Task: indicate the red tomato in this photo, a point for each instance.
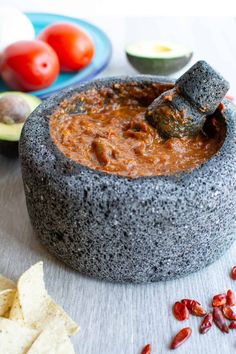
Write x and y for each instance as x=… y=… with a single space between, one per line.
x=75 y=49
x=29 y=65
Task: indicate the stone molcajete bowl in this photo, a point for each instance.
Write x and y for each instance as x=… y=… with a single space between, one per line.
x=128 y=230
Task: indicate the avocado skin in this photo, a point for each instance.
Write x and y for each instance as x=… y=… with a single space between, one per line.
x=158 y=66
x=9 y=148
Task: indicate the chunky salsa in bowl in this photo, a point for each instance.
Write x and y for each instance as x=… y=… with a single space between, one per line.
x=105 y=129
x=82 y=152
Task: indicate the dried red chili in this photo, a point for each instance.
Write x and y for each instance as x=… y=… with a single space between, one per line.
x=229 y=313
x=233 y=273
x=190 y=303
x=231 y=98
x=219 y=300
x=232 y=325
x=230 y=298
x=147 y=349
x=220 y=320
x=206 y=323
x=180 y=311
x=221 y=106
x=198 y=310
x=181 y=337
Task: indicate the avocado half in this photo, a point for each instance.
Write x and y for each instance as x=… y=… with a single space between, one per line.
x=157 y=58
x=10 y=130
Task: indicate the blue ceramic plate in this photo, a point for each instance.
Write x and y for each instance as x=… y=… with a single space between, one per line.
x=100 y=61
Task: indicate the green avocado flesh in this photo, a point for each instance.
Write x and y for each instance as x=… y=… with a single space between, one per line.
x=11 y=132
x=157 y=58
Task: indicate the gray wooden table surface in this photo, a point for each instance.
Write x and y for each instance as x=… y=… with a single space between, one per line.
x=114 y=318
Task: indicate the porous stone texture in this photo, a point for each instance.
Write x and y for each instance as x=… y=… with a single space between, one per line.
x=203 y=86
x=198 y=92
x=115 y=228
x=184 y=118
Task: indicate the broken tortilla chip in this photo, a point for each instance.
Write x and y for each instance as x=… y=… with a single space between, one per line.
x=49 y=311
x=6 y=300
x=6 y=283
x=37 y=307
x=14 y=338
x=32 y=322
x=53 y=339
x=16 y=312
x=31 y=289
x=6 y=315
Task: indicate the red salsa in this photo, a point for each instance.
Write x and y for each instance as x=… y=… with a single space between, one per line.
x=105 y=129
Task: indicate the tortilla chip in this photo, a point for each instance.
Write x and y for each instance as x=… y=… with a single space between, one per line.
x=31 y=290
x=52 y=340
x=16 y=311
x=49 y=311
x=6 y=315
x=6 y=283
x=14 y=338
x=6 y=300
x=38 y=308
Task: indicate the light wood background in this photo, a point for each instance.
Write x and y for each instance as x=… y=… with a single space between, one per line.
x=114 y=318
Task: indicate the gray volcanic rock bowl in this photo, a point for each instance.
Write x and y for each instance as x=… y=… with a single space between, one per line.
x=128 y=230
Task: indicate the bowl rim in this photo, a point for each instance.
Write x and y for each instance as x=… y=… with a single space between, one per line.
x=36 y=133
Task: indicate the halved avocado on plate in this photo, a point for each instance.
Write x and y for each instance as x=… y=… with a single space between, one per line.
x=15 y=107
x=158 y=58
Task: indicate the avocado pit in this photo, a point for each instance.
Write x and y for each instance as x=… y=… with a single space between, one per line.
x=13 y=109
